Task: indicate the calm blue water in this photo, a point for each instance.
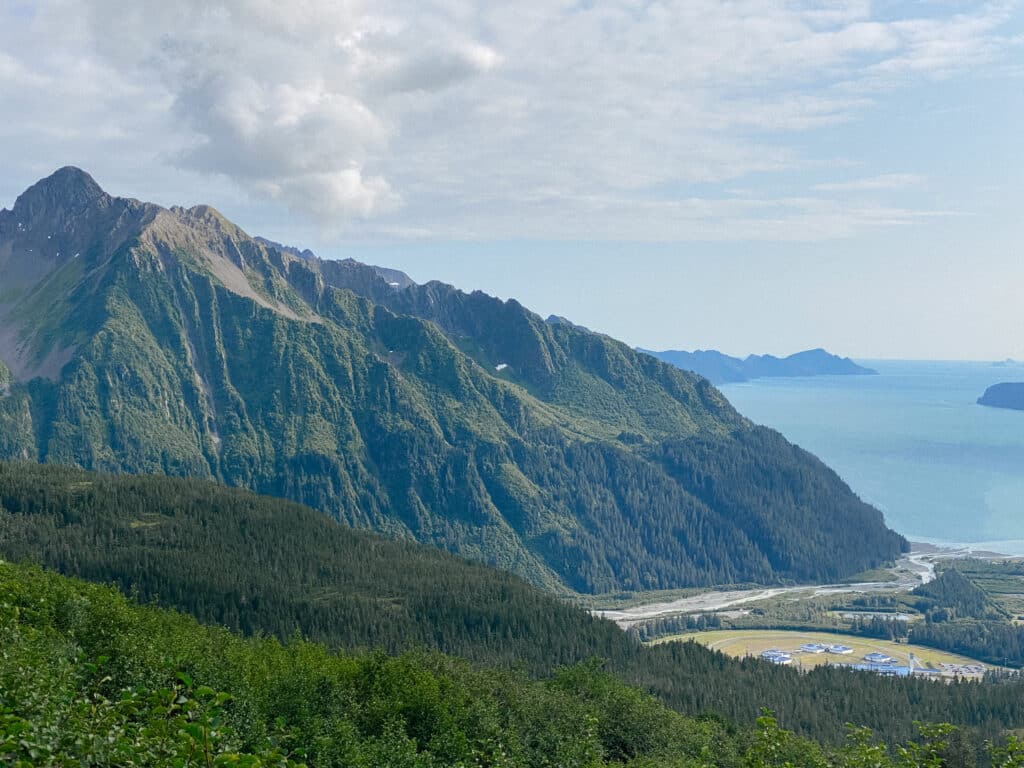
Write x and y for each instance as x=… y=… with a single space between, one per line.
x=912 y=442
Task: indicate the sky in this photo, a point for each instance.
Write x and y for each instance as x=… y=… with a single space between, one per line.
x=746 y=175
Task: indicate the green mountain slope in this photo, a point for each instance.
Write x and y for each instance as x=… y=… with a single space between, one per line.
x=143 y=339
x=266 y=566
x=263 y=565
x=88 y=678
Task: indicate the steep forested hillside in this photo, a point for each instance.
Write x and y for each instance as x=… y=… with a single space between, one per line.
x=267 y=566
x=88 y=679
x=143 y=339
x=259 y=564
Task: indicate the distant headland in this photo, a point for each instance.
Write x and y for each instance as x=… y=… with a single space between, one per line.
x=720 y=368
x=1005 y=395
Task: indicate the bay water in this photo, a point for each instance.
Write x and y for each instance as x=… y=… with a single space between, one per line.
x=913 y=442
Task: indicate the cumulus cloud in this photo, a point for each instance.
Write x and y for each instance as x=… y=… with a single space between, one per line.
x=324 y=195
x=289 y=100
x=460 y=117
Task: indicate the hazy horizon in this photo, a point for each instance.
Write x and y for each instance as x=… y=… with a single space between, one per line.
x=713 y=303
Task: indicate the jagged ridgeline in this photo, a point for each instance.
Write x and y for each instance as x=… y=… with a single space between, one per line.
x=141 y=339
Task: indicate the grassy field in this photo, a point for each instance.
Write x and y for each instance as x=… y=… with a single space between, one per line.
x=744 y=642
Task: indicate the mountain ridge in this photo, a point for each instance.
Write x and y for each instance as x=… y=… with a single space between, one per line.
x=177 y=344
x=720 y=368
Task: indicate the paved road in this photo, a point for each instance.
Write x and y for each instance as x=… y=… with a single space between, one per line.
x=913 y=570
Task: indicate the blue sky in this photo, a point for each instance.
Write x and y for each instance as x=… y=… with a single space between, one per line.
x=755 y=176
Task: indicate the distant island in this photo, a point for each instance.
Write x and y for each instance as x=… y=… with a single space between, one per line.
x=720 y=368
x=1005 y=395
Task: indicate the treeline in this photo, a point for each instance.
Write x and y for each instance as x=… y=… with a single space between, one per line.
x=995 y=642
x=883 y=629
x=675 y=625
x=88 y=678
x=952 y=595
x=264 y=566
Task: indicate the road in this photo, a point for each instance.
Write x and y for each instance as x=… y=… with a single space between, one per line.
x=913 y=570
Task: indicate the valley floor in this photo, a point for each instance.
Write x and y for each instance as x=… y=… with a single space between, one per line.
x=917 y=568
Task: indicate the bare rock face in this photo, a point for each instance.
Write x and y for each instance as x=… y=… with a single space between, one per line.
x=62 y=218
x=66 y=194
x=58 y=230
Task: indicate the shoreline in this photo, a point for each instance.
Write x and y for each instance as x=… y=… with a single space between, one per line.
x=1000 y=549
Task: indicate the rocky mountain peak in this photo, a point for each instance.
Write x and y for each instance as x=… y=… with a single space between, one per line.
x=69 y=190
x=63 y=220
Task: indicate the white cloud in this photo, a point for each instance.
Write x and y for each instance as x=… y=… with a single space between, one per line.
x=455 y=116
x=325 y=194
x=288 y=100
x=872 y=183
